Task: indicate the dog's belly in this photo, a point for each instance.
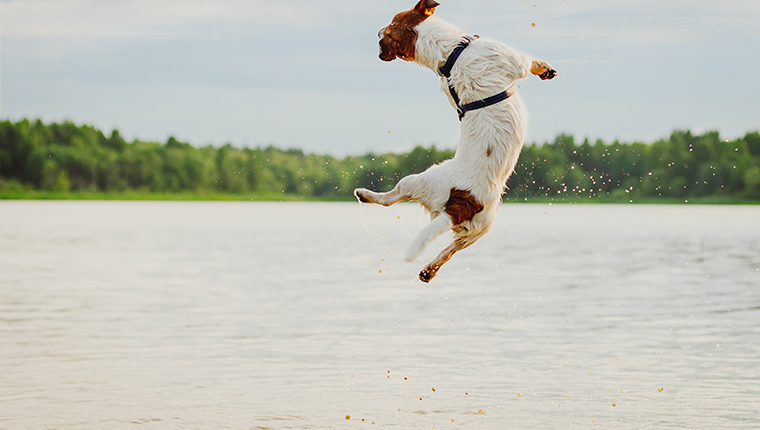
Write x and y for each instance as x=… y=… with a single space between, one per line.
x=493 y=138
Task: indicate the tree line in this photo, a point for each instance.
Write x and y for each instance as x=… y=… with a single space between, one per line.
x=68 y=157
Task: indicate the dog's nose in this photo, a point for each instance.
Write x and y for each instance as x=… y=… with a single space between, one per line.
x=380 y=33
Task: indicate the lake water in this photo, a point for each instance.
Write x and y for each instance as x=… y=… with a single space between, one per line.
x=215 y=315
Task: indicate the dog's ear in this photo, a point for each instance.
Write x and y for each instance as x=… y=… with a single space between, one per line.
x=426 y=6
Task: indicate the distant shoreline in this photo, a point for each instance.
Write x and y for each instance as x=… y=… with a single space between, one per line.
x=284 y=197
x=79 y=162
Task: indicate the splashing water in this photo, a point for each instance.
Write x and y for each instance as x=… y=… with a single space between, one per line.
x=364 y=219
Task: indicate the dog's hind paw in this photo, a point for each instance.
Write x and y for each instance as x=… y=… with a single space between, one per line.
x=426 y=275
x=359 y=194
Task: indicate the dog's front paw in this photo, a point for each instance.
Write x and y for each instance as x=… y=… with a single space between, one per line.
x=549 y=74
x=360 y=193
x=543 y=70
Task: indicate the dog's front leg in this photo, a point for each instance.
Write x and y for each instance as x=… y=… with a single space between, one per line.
x=542 y=69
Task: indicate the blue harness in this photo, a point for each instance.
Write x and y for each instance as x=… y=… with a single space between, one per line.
x=445 y=70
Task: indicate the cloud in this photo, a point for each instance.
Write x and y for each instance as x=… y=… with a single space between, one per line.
x=245 y=69
x=140 y=18
x=150 y=18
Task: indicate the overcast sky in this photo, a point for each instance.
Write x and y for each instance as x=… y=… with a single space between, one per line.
x=306 y=73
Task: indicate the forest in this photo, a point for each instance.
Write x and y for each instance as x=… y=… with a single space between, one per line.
x=38 y=160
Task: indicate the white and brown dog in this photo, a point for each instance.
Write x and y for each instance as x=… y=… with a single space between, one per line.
x=462 y=194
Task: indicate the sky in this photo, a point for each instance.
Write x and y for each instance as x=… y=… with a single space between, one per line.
x=306 y=74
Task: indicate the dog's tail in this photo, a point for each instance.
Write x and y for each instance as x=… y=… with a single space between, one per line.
x=438 y=226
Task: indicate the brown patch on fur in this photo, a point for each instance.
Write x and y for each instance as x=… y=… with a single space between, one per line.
x=489 y=150
x=398 y=39
x=462 y=206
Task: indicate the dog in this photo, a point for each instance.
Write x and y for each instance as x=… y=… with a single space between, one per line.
x=461 y=194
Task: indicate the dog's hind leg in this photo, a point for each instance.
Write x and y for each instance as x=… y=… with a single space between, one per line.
x=431 y=269
x=438 y=226
x=402 y=191
x=386 y=199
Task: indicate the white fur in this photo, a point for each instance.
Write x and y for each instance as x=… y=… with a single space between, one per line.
x=484 y=68
x=438 y=226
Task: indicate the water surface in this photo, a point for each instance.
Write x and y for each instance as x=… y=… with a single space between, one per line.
x=295 y=316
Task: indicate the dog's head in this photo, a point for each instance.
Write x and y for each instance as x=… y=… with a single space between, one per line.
x=398 y=38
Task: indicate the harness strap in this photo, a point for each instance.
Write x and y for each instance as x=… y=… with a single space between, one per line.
x=445 y=71
x=446 y=68
x=488 y=101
